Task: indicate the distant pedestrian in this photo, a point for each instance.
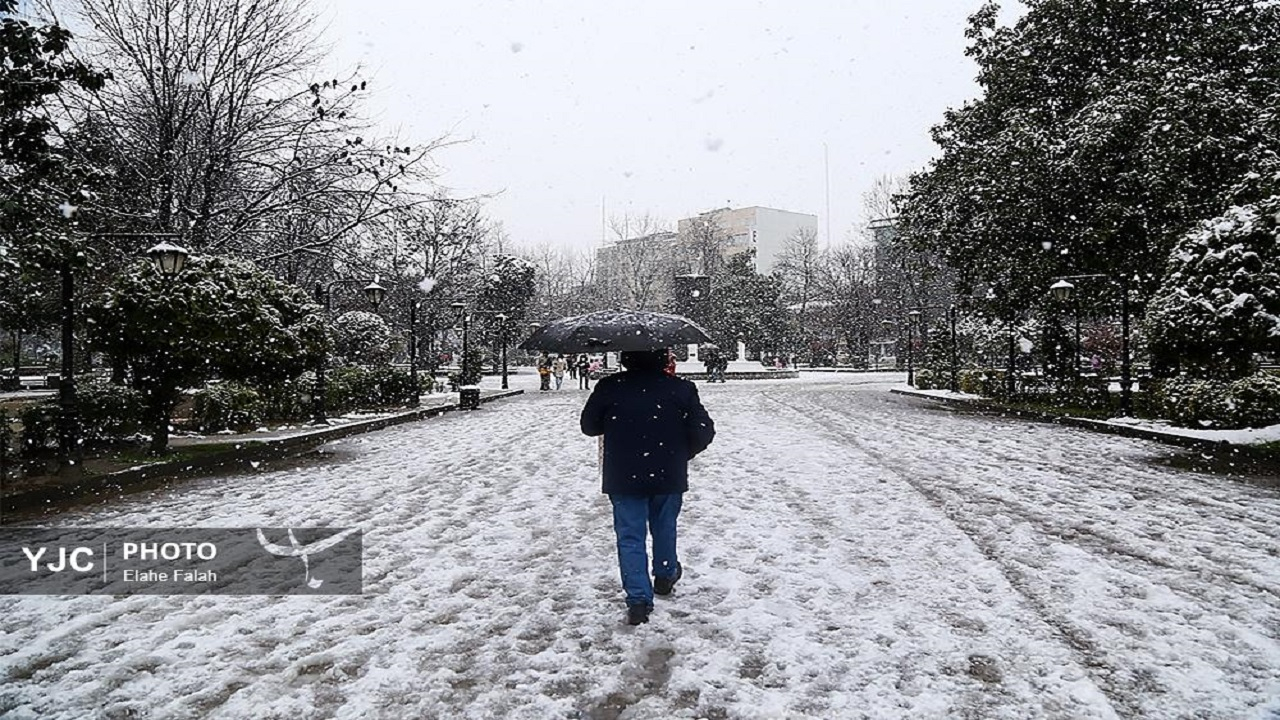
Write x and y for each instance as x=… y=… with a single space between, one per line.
x=710 y=359
x=652 y=426
x=573 y=368
x=558 y=366
x=544 y=372
x=670 y=369
x=584 y=377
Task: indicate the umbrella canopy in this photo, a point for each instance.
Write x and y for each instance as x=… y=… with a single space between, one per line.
x=615 y=331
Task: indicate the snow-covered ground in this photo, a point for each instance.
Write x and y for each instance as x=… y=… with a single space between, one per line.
x=849 y=553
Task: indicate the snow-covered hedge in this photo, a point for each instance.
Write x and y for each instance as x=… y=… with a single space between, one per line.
x=1252 y=401
x=228 y=406
x=358 y=388
x=107 y=412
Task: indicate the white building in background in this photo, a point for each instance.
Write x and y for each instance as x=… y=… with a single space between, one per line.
x=765 y=230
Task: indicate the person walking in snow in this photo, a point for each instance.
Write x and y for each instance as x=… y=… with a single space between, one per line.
x=711 y=359
x=557 y=370
x=584 y=366
x=544 y=372
x=652 y=425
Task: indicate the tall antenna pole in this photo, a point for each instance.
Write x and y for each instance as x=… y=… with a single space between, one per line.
x=826 y=163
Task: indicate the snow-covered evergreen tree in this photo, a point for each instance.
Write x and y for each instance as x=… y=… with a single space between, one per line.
x=362 y=338
x=1219 y=303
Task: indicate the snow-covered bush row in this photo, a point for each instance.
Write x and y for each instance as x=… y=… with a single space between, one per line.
x=107 y=412
x=1252 y=401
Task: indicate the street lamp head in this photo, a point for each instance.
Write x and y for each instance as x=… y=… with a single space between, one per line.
x=458 y=310
x=915 y=317
x=1062 y=290
x=886 y=324
x=374 y=293
x=501 y=317
x=169 y=258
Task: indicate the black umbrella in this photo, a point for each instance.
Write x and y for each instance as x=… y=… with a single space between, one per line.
x=615 y=331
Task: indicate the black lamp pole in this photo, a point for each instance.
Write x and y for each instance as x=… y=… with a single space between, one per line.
x=502 y=337
x=69 y=449
x=1079 y=345
x=911 y=367
x=1126 y=368
x=1063 y=289
x=169 y=260
x=317 y=393
x=414 y=398
x=955 y=385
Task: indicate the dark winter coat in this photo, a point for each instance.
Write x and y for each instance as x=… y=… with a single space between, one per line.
x=652 y=425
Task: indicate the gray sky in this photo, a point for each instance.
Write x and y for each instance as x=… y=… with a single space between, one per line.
x=661 y=106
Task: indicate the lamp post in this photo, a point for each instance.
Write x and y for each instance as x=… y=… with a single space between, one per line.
x=913 y=317
x=414 y=394
x=1063 y=289
x=169 y=259
x=887 y=326
x=952 y=315
x=374 y=294
x=468 y=397
x=502 y=338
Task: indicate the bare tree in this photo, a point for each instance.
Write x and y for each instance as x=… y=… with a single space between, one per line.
x=219 y=125
x=798 y=267
x=702 y=245
x=636 y=268
x=879 y=202
x=847 y=278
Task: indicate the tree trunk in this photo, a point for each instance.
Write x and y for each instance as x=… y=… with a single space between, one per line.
x=160 y=411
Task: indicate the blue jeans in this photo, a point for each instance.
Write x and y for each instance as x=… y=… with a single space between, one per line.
x=631 y=515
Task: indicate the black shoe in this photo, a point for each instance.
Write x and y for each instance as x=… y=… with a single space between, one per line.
x=664 y=585
x=637 y=614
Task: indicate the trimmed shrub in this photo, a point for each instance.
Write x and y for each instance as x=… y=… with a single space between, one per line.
x=970 y=381
x=228 y=406
x=354 y=388
x=392 y=386
x=1255 y=400
x=345 y=389
x=288 y=400
x=39 y=427
x=925 y=380
x=991 y=383
x=109 y=411
x=1194 y=402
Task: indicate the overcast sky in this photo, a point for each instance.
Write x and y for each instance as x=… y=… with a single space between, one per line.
x=661 y=106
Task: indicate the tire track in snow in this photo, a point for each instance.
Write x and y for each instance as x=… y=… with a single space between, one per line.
x=1187 y=583
x=1088 y=655
x=1089 y=533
